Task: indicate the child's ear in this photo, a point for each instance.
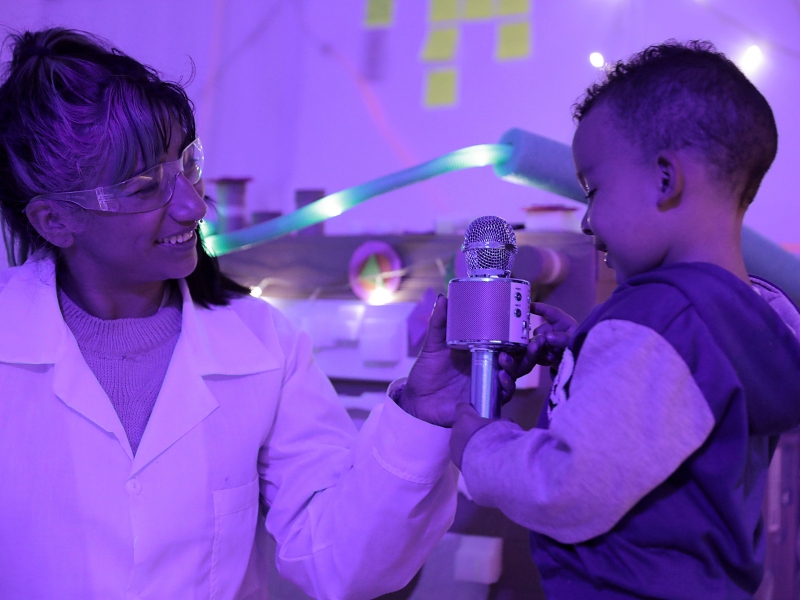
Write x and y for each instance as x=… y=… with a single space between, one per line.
x=670 y=181
x=53 y=222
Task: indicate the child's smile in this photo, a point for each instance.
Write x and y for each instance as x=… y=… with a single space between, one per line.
x=618 y=185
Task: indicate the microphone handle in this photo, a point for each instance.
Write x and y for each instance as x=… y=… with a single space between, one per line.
x=485 y=390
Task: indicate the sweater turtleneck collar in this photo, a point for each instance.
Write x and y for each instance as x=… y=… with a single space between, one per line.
x=123 y=337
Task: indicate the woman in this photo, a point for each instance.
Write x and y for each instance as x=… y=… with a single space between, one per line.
x=148 y=406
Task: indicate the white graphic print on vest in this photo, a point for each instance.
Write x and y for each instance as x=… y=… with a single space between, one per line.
x=560 y=391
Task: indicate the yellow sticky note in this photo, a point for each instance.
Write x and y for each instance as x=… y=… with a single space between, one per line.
x=478 y=9
x=443 y=10
x=379 y=13
x=513 y=41
x=440 y=88
x=441 y=45
x=514 y=7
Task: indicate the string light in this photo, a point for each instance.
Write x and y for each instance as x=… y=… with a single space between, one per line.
x=333 y=207
x=597 y=59
x=256 y=292
x=751 y=60
x=380 y=295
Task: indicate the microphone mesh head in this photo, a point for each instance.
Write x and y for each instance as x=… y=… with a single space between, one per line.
x=489 y=247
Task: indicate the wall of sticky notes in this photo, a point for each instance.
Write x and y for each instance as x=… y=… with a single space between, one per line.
x=510 y=20
x=513 y=41
x=441 y=45
x=379 y=13
x=440 y=87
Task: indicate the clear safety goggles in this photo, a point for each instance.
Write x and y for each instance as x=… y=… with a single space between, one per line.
x=146 y=191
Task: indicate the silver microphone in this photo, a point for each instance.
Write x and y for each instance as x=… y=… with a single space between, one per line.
x=488 y=311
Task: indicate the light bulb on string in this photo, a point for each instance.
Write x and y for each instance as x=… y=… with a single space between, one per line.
x=380 y=295
x=751 y=60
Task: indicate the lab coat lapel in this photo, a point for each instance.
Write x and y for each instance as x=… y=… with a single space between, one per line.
x=37 y=332
x=183 y=402
x=38 y=335
x=77 y=387
x=212 y=342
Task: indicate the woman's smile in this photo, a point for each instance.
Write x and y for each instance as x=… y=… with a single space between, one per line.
x=180 y=239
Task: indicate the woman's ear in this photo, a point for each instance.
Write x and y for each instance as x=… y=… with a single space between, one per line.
x=53 y=222
x=670 y=182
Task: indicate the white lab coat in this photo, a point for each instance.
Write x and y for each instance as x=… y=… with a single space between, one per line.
x=243 y=414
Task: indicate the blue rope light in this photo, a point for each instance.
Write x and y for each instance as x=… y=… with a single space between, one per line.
x=335 y=204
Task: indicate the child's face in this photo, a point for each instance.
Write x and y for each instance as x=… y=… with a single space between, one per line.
x=621 y=191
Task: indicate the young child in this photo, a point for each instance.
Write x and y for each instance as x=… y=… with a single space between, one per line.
x=647 y=476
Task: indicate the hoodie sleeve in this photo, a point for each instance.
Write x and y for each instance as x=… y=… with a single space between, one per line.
x=633 y=414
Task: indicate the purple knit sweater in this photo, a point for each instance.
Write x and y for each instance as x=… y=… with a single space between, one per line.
x=129 y=357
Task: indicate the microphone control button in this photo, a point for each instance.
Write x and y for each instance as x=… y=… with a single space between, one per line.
x=518 y=296
x=517 y=312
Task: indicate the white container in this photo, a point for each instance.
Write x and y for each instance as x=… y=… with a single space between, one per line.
x=231 y=203
x=479 y=559
x=552 y=217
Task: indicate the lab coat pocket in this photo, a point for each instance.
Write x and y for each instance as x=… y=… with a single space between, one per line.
x=235 y=518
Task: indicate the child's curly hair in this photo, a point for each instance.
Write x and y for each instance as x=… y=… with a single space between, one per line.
x=688 y=95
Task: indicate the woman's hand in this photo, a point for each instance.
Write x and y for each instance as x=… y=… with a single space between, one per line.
x=439 y=381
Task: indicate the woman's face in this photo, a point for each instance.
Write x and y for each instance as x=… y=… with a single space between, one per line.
x=116 y=250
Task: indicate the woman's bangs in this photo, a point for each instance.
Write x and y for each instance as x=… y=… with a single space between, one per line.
x=140 y=129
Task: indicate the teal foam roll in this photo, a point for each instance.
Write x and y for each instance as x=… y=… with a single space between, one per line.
x=540 y=162
x=766 y=259
x=547 y=164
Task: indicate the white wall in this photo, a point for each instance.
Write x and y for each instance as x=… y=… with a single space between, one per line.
x=277 y=90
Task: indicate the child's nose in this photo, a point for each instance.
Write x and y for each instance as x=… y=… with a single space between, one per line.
x=187 y=204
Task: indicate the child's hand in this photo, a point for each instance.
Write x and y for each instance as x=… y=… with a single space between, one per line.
x=551 y=337
x=547 y=343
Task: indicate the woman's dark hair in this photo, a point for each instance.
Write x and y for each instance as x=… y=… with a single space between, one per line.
x=71 y=106
x=207 y=284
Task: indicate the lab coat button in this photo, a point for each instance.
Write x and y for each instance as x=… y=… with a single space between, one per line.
x=134 y=487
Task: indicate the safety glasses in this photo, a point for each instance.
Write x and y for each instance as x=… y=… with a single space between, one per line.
x=146 y=191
